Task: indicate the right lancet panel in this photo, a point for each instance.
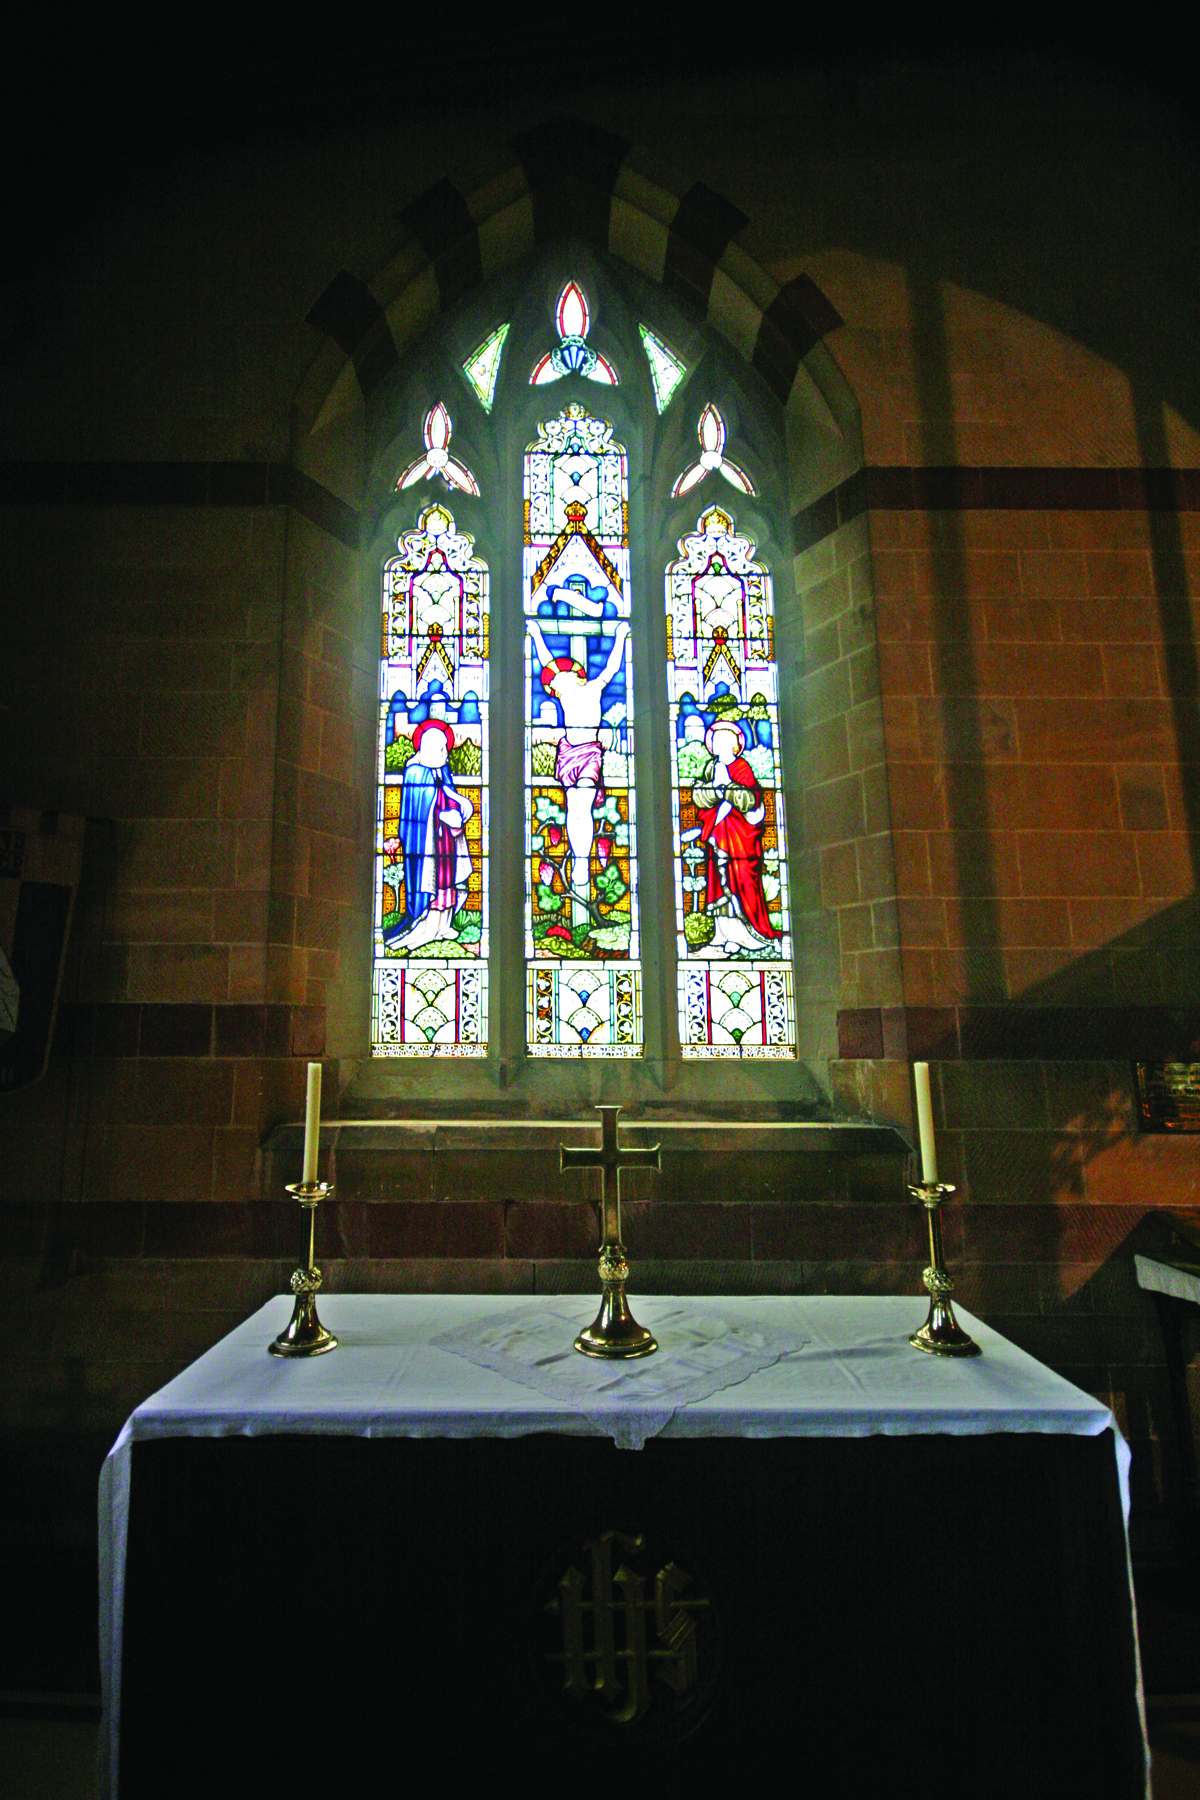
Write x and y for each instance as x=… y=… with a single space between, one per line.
x=731 y=906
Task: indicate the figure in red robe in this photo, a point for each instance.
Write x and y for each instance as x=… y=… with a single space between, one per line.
x=732 y=811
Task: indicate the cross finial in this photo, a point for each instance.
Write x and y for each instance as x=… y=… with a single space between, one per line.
x=610 y=1159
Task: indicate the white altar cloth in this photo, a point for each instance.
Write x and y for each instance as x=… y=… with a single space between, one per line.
x=855 y=1376
x=1167 y=1278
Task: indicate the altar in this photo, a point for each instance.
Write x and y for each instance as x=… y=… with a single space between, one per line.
x=853 y=1566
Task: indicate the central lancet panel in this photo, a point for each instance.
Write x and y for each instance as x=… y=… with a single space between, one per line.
x=582 y=948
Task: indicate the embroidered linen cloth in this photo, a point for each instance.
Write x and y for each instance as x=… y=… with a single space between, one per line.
x=700 y=1351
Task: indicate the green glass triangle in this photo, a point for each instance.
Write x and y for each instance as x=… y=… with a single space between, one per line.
x=666 y=370
x=483 y=365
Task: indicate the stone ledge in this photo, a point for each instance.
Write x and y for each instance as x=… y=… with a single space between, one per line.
x=801 y=1137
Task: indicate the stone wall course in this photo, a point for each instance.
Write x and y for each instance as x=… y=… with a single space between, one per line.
x=438 y=1228
x=1075 y=862
x=161 y=915
x=177 y=972
x=1023 y=621
x=154 y=853
x=955 y=729
x=1166 y=864
x=162 y=1162
x=185 y=724
x=1022 y=669
x=877 y=867
x=567 y=1230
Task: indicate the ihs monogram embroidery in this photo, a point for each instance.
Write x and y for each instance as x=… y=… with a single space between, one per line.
x=633 y=1648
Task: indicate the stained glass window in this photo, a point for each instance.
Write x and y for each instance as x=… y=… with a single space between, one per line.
x=431 y=838
x=573 y=355
x=436 y=459
x=666 y=370
x=582 y=952
x=731 y=907
x=482 y=367
x=583 y=973
x=711 y=432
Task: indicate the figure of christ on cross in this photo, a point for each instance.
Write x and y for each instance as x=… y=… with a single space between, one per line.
x=580 y=753
x=614 y=1332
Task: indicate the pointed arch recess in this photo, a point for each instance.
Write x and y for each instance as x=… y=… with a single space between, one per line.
x=567 y=178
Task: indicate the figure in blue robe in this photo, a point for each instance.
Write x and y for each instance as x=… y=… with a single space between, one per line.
x=432 y=839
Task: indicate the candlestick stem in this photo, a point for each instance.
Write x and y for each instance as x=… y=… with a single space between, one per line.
x=305 y=1335
x=941 y=1334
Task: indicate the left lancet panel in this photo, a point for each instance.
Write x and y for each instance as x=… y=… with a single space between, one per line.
x=582 y=948
x=430 y=988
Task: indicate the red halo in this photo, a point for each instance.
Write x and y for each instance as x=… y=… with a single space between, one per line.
x=433 y=725
x=559 y=666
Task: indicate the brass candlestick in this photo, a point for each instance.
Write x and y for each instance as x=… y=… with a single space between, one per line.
x=305 y=1334
x=941 y=1334
x=614 y=1332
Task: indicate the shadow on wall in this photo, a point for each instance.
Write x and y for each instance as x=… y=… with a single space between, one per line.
x=1038 y=1122
x=1039 y=1131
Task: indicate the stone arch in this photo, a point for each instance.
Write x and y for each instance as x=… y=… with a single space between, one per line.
x=565 y=177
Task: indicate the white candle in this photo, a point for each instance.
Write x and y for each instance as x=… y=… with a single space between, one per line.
x=312 y=1122
x=925 y=1121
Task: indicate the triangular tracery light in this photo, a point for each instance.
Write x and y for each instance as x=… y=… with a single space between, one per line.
x=666 y=369
x=437 y=459
x=574 y=355
x=711 y=432
x=483 y=366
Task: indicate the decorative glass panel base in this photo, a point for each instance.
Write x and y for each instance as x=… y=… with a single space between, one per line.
x=584 y=1009
x=738 y=1012
x=430 y=1011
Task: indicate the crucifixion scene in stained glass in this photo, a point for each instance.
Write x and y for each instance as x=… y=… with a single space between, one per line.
x=731 y=899
x=583 y=971
x=429 y=993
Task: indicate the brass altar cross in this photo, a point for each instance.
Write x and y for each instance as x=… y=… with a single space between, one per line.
x=614 y=1331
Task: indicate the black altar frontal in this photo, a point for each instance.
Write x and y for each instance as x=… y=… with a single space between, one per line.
x=858 y=1571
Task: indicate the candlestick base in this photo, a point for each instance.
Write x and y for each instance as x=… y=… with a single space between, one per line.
x=614 y=1332
x=304 y=1334
x=941 y=1334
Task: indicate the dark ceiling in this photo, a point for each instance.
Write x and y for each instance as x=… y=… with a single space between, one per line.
x=86 y=102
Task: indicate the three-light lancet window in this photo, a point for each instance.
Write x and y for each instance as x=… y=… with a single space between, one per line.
x=597 y=440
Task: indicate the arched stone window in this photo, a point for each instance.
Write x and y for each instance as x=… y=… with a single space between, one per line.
x=466 y=310
x=595 y=772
